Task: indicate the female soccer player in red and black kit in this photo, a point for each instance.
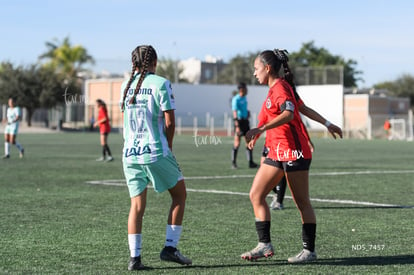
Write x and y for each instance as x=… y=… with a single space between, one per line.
x=289 y=155
x=104 y=130
x=280 y=189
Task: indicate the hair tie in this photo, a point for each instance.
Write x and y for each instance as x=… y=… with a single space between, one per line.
x=282 y=55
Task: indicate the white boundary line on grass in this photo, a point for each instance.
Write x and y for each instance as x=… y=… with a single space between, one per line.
x=367 y=172
x=289 y=197
x=122 y=183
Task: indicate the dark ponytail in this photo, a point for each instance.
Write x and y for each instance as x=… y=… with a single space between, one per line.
x=276 y=59
x=282 y=55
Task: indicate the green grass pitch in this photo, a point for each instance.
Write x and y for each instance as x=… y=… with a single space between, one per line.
x=53 y=220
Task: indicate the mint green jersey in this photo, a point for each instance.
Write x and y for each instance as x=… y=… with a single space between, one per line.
x=12 y=114
x=144 y=134
x=12 y=122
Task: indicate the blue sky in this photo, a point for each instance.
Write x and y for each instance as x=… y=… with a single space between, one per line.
x=377 y=34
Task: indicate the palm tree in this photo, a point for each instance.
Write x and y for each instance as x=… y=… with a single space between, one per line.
x=65 y=58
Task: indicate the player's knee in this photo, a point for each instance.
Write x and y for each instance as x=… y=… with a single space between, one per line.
x=137 y=208
x=182 y=196
x=179 y=194
x=254 y=197
x=303 y=204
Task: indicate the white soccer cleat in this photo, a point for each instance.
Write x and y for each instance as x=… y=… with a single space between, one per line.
x=260 y=251
x=304 y=256
x=275 y=205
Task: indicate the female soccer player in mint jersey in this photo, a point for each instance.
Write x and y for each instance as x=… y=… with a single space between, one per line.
x=11 y=130
x=148 y=107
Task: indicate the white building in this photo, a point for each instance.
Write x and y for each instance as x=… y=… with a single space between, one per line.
x=198 y=72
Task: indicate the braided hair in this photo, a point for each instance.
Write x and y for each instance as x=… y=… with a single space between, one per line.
x=142 y=57
x=276 y=59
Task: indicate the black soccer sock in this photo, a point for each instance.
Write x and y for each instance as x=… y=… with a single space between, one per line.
x=234 y=155
x=308 y=236
x=263 y=231
x=249 y=155
x=108 y=150
x=103 y=151
x=281 y=190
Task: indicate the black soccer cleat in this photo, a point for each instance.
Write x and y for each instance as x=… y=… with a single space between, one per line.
x=172 y=254
x=135 y=263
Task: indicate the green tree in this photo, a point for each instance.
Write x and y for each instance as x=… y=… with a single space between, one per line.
x=239 y=69
x=21 y=84
x=403 y=86
x=65 y=61
x=311 y=56
x=33 y=87
x=65 y=58
x=169 y=69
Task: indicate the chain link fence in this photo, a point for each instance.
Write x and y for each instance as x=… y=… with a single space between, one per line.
x=326 y=75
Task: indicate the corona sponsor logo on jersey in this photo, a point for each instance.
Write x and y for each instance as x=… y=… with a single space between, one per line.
x=142 y=91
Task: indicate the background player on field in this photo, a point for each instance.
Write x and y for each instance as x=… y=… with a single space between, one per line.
x=241 y=117
x=104 y=130
x=11 y=130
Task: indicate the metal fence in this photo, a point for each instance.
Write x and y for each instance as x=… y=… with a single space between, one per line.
x=326 y=75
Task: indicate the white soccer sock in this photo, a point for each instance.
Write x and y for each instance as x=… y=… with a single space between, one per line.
x=173 y=234
x=135 y=242
x=19 y=146
x=7 y=148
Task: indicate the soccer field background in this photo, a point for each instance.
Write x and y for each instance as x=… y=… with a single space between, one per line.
x=61 y=212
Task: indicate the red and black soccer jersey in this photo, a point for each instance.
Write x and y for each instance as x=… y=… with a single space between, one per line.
x=104 y=128
x=287 y=142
